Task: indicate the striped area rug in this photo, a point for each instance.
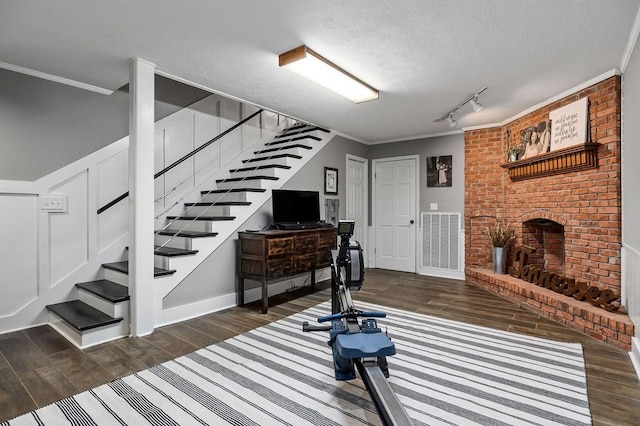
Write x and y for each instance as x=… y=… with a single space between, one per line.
x=445 y=373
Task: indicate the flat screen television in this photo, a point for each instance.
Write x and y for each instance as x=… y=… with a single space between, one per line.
x=291 y=206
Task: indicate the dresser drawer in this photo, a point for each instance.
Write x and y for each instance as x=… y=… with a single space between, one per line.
x=306 y=244
x=305 y=262
x=279 y=246
x=327 y=240
x=280 y=267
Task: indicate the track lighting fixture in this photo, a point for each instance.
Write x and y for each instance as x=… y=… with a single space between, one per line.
x=473 y=100
x=477 y=106
x=451 y=121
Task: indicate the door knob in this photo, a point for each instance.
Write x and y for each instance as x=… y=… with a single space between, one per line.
x=411 y=221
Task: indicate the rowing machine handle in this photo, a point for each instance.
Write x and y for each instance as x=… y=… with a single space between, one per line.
x=340 y=315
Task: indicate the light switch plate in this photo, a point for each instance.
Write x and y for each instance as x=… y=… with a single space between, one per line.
x=53 y=203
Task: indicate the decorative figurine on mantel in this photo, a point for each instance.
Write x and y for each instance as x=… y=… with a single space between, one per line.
x=512 y=153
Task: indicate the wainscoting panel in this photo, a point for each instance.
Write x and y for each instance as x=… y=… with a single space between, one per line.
x=441 y=245
x=19 y=253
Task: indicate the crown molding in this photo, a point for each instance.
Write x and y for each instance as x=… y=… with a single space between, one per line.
x=55 y=78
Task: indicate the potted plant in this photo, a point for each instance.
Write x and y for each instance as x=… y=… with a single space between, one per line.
x=501 y=237
x=512 y=152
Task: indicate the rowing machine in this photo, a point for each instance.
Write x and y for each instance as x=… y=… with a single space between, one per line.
x=354 y=336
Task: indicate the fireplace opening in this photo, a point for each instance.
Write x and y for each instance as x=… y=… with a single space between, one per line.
x=547 y=238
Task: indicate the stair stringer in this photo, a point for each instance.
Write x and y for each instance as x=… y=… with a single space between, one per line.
x=185 y=265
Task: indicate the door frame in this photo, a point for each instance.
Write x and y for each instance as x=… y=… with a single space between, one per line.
x=365 y=225
x=416 y=158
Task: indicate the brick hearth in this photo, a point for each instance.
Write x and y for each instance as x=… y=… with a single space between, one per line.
x=614 y=328
x=581 y=205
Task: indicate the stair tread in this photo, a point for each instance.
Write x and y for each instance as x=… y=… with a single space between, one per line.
x=186 y=234
x=219 y=203
x=282 y=148
x=300 y=131
x=293 y=139
x=271 y=157
x=124 y=268
x=81 y=316
x=106 y=289
x=223 y=191
x=212 y=218
x=172 y=251
x=240 y=179
x=266 y=166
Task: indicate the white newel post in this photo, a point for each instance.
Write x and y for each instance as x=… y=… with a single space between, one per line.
x=141 y=192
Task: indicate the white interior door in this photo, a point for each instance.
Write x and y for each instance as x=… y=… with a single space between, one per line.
x=357 y=201
x=395 y=213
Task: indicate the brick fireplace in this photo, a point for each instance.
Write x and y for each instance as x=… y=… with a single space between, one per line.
x=572 y=218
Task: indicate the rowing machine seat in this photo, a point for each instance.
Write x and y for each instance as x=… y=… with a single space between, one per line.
x=364 y=345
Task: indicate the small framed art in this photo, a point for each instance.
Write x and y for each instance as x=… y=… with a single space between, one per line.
x=330 y=181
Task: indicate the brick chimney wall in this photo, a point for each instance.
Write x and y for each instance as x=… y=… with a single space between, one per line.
x=587 y=203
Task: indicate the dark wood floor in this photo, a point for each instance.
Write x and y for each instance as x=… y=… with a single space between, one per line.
x=38 y=367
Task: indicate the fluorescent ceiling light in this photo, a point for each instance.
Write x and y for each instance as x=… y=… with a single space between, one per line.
x=308 y=64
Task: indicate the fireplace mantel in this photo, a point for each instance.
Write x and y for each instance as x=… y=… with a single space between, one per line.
x=578 y=157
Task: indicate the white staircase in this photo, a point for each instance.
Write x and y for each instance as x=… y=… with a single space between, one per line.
x=187 y=235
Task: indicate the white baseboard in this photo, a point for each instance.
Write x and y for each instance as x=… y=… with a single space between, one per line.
x=635 y=354
x=196 y=309
x=442 y=273
x=215 y=304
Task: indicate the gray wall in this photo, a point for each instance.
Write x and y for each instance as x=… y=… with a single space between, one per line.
x=630 y=199
x=46 y=125
x=449 y=199
x=631 y=152
x=217 y=275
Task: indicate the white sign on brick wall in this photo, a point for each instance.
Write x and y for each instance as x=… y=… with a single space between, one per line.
x=569 y=125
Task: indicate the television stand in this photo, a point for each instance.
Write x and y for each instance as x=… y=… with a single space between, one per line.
x=273 y=255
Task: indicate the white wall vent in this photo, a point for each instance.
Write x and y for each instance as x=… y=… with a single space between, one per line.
x=441 y=245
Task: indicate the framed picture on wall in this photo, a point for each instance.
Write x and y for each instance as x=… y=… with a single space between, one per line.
x=330 y=181
x=439 y=171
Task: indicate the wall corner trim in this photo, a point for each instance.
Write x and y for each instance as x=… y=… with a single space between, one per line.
x=631 y=42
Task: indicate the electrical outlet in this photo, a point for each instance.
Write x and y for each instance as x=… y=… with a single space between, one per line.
x=433 y=206
x=53 y=203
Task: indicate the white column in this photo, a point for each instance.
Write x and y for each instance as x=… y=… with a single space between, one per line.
x=141 y=191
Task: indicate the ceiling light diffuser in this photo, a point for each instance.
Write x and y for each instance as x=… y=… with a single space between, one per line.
x=308 y=64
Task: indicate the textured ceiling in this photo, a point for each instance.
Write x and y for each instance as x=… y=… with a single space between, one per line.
x=425 y=56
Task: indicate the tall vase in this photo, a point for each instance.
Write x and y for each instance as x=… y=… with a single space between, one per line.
x=499 y=260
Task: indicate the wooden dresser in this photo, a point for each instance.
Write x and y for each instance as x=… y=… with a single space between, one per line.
x=273 y=255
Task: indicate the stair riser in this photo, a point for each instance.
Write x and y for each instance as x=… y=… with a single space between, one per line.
x=163 y=262
x=115 y=310
x=116 y=277
x=254 y=184
x=88 y=338
x=275 y=172
x=284 y=161
x=176 y=242
x=210 y=210
x=228 y=196
x=232 y=196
